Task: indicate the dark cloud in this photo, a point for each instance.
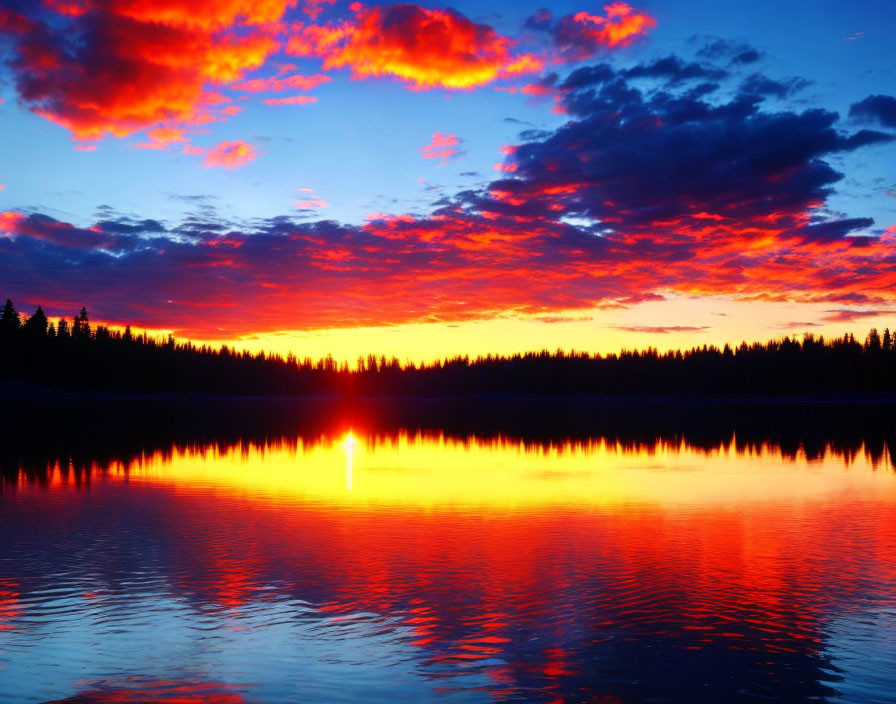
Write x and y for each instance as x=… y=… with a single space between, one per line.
x=588 y=76
x=674 y=70
x=735 y=52
x=757 y=84
x=631 y=160
x=540 y=20
x=125 y=226
x=879 y=108
x=747 y=56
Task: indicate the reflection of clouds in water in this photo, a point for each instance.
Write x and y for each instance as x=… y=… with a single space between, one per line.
x=139 y=690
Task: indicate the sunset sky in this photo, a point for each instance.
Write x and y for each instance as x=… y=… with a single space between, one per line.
x=426 y=180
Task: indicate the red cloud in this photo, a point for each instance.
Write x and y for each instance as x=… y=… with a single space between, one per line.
x=117 y=66
x=230 y=155
x=442 y=146
x=293 y=100
x=580 y=35
x=272 y=85
x=453 y=266
x=424 y=48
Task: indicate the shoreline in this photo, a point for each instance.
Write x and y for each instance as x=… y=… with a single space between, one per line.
x=27 y=393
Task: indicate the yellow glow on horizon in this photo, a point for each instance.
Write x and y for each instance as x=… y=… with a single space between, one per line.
x=691 y=321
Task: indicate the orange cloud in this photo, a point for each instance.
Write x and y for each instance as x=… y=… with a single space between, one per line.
x=10 y=221
x=205 y=15
x=424 y=48
x=292 y=100
x=156 y=57
x=161 y=137
x=272 y=85
x=443 y=146
x=231 y=155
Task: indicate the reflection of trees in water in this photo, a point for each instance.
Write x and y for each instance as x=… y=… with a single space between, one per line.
x=81 y=435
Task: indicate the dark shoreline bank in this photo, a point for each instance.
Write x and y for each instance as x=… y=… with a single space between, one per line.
x=27 y=393
x=80 y=431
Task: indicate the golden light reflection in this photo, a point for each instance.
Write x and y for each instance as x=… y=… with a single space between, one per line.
x=349 y=446
x=433 y=472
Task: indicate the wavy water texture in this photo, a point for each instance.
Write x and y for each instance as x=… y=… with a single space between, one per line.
x=430 y=568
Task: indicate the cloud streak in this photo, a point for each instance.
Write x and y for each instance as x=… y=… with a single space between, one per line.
x=660 y=329
x=442 y=146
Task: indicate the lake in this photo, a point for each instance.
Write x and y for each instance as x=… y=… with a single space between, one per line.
x=353 y=563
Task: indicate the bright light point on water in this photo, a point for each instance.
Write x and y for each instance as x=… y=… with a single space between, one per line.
x=349 y=446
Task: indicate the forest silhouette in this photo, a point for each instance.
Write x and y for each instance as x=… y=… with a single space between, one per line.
x=76 y=356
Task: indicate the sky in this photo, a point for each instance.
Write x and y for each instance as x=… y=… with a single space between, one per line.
x=326 y=177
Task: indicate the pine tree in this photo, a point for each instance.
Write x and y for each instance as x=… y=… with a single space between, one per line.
x=36 y=325
x=81 y=326
x=9 y=320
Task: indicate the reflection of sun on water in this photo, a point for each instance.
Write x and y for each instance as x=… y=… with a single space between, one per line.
x=349 y=446
x=432 y=471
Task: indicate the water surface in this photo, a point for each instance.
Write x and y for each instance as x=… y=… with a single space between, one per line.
x=418 y=567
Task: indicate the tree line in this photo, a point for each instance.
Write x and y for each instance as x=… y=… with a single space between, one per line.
x=77 y=356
